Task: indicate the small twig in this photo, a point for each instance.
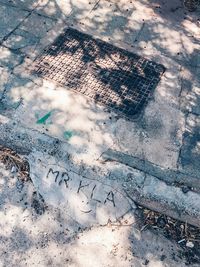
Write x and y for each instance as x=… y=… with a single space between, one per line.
x=186 y=229
x=182 y=240
x=144 y=227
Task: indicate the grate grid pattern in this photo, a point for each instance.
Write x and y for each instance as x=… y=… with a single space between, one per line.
x=116 y=78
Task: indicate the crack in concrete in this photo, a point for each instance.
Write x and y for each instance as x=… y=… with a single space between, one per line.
x=178 y=164
x=20 y=23
x=31 y=11
x=95 y=6
x=185 y=118
x=12 y=5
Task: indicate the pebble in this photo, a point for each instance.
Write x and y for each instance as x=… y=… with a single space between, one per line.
x=189 y=244
x=13 y=169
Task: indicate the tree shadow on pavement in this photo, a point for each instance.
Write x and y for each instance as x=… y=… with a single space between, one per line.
x=41 y=239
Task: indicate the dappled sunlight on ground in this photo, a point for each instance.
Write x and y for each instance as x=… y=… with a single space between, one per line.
x=87 y=127
x=52 y=238
x=76 y=213
x=72 y=118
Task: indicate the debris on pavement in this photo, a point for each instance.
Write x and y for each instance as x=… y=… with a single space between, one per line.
x=38 y=203
x=191 y=5
x=15 y=163
x=186 y=236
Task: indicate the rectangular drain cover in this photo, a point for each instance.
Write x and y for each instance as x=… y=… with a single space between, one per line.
x=111 y=76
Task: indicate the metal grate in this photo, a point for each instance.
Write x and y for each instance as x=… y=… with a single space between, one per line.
x=111 y=76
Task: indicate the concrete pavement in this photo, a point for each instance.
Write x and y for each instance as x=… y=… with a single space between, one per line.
x=35 y=234
x=148 y=160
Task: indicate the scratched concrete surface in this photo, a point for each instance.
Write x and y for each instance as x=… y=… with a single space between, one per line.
x=39 y=116
x=88 y=200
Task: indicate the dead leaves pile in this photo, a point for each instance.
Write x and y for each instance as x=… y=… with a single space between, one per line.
x=186 y=235
x=15 y=163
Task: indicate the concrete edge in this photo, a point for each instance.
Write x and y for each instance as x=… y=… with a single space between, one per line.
x=167 y=175
x=168 y=200
x=23 y=140
x=140 y=187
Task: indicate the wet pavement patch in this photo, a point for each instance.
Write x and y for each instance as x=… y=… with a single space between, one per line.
x=118 y=79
